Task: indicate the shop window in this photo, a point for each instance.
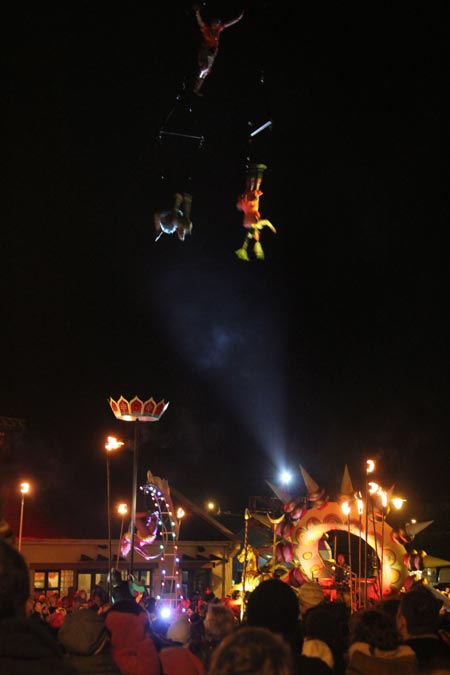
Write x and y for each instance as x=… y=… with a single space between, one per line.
x=47 y=581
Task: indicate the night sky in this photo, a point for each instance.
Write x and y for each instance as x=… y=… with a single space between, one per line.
x=331 y=351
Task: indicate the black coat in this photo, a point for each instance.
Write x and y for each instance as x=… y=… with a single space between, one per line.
x=27 y=648
x=431 y=651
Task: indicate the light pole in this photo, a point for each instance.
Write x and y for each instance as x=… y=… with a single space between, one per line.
x=122 y=510
x=24 y=489
x=247 y=516
x=274 y=522
x=111 y=445
x=384 y=499
x=384 y=504
x=176 y=569
x=360 y=505
x=346 y=511
x=370 y=467
x=136 y=411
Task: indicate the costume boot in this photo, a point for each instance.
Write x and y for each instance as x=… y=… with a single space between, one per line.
x=258 y=250
x=255 y=176
x=242 y=252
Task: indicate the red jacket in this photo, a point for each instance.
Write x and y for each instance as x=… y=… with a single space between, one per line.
x=180 y=661
x=132 y=647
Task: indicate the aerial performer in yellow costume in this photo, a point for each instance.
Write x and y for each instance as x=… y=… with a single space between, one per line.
x=248 y=203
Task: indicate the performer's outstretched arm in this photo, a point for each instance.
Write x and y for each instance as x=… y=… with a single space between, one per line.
x=198 y=16
x=233 y=21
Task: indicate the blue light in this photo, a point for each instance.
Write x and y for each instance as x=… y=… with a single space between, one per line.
x=165 y=612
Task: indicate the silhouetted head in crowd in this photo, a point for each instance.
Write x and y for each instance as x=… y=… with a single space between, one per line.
x=418 y=612
x=219 y=622
x=390 y=606
x=6 y=533
x=252 y=650
x=274 y=605
x=376 y=628
x=122 y=593
x=14 y=582
x=322 y=623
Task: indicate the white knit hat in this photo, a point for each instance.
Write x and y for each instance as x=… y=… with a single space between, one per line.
x=319 y=649
x=180 y=630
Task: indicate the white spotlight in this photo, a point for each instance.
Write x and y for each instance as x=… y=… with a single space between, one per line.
x=285 y=477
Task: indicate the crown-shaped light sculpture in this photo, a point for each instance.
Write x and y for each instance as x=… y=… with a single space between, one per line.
x=138 y=410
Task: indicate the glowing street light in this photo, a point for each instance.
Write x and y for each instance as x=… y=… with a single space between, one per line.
x=122 y=510
x=212 y=507
x=24 y=489
x=111 y=445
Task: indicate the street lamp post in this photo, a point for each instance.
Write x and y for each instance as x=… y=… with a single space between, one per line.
x=24 y=489
x=111 y=445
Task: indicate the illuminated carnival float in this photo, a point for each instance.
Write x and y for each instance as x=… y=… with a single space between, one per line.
x=378 y=559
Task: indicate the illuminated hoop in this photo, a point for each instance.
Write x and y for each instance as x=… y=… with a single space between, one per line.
x=160 y=514
x=159 y=502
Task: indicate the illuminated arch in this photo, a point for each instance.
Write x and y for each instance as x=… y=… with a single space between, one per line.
x=317 y=521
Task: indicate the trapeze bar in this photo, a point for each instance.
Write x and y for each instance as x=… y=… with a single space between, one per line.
x=174 y=133
x=261 y=128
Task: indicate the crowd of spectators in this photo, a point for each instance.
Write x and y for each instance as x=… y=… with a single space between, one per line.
x=281 y=631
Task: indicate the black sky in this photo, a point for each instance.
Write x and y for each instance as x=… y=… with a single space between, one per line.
x=333 y=349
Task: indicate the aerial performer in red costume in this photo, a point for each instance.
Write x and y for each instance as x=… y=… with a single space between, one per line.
x=209 y=45
x=248 y=202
